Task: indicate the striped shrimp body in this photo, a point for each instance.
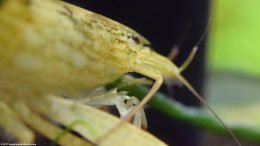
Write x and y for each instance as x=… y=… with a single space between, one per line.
x=51 y=47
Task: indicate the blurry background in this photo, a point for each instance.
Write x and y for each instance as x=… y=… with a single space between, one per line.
x=233 y=56
x=227 y=71
x=234 y=59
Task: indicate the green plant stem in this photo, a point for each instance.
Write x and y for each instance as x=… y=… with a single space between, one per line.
x=193 y=115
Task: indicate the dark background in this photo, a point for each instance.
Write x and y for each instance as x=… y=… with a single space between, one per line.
x=165 y=23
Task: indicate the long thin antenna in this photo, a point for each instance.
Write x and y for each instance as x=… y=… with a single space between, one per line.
x=192 y=90
x=194 y=49
x=204 y=33
x=175 y=49
x=186 y=63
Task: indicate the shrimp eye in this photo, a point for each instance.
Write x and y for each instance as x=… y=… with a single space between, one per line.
x=136 y=39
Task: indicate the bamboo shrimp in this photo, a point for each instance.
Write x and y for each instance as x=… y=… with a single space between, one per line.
x=62 y=49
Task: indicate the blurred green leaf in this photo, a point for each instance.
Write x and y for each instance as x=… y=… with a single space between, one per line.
x=234 y=37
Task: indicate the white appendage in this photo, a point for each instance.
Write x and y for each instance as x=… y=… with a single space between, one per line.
x=123 y=103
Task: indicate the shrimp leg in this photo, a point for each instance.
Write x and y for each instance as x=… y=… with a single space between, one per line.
x=123 y=103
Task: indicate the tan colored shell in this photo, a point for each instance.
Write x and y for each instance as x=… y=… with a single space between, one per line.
x=49 y=47
x=57 y=45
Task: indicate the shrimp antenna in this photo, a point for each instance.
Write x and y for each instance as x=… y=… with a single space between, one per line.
x=189 y=59
x=194 y=92
x=179 y=42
